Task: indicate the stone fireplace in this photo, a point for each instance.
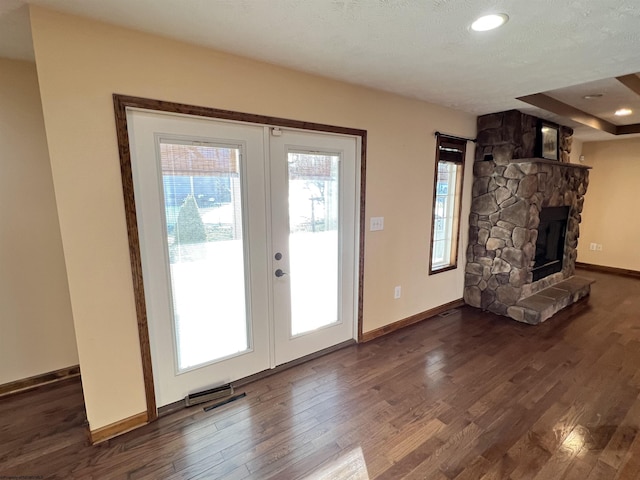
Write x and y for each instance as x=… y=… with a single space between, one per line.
x=524 y=222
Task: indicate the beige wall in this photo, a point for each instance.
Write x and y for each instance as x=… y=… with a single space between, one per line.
x=36 y=325
x=610 y=215
x=576 y=151
x=81 y=63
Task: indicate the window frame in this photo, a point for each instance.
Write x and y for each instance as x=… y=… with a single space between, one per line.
x=457 y=157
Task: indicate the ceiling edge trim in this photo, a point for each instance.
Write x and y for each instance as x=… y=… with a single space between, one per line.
x=628 y=129
x=632 y=82
x=552 y=105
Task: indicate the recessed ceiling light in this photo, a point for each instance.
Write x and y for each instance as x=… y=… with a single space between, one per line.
x=489 y=22
x=623 y=111
x=592 y=96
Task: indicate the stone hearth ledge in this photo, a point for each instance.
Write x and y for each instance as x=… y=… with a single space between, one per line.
x=543 y=305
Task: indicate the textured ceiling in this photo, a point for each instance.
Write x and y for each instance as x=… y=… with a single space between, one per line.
x=417 y=48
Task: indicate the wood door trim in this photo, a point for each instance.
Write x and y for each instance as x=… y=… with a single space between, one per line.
x=363 y=184
x=120 y=106
x=121 y=103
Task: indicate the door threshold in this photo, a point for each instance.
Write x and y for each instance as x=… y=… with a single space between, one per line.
x=180 y=404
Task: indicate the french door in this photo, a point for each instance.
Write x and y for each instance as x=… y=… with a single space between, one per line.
x=313 y=212
x=248 y=245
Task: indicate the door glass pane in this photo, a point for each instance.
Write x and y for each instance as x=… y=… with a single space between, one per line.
x=313 y=240
x=203 y=210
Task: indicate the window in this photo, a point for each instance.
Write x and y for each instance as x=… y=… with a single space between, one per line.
x=447 y=196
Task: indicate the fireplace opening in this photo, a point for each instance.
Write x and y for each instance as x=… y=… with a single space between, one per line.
x=550 y=243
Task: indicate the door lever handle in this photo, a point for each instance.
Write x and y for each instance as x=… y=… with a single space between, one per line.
x=280 y=273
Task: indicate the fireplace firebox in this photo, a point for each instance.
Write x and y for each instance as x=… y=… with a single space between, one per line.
x=550 y=243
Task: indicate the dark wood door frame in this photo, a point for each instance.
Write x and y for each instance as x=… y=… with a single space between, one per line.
x=121 y=103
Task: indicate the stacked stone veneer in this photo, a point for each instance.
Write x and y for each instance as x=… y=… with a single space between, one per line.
x=513 y=135
x=508 y=195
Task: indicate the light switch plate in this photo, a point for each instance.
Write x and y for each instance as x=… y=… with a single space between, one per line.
x=376 y=224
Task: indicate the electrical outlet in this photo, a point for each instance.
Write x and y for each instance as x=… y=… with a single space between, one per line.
x=376 y=224
x=397 y=292
x=599 y=247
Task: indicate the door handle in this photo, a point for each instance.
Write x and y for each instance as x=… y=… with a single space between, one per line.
x=280 y=273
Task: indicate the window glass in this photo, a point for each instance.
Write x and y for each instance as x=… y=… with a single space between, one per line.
x=445 y=230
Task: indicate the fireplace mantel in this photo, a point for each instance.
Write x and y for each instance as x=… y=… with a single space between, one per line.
x=549 y=162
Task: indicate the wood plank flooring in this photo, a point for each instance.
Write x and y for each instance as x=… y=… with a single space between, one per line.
x=467 y=396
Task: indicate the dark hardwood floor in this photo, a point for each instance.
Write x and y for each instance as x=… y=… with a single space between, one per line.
x=467 y=396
